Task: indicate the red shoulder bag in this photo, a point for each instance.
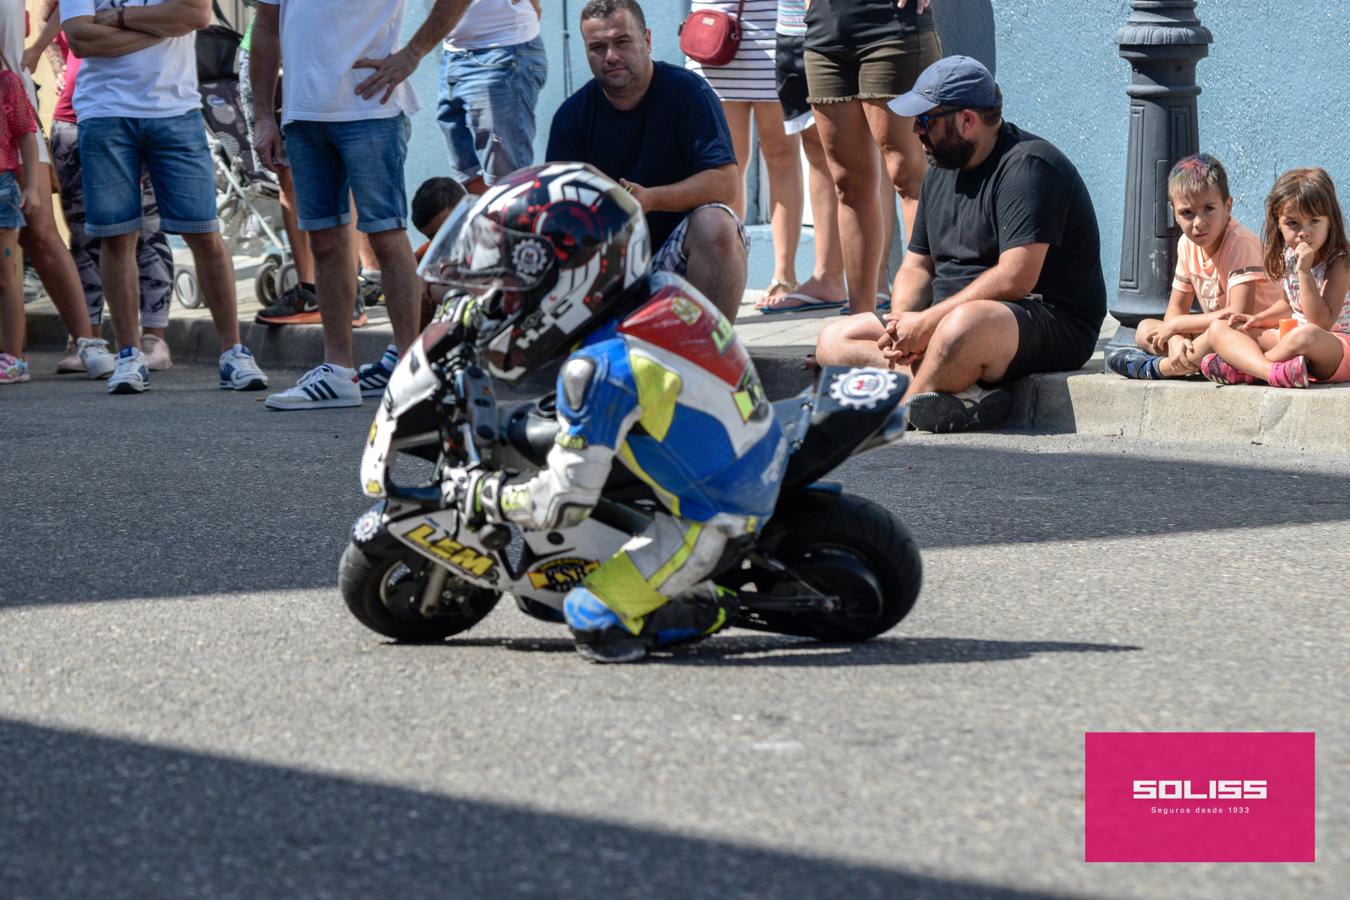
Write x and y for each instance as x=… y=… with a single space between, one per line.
x=712 y=37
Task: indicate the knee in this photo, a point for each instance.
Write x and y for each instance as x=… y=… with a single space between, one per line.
x=781 y=155
x=839 y=334
x=329 y=242
x=1302 y=338
x=713 y=230
x=1216 y=328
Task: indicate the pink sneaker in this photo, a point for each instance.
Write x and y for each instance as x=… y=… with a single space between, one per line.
x=1216 y=370
x=12 y=369
x=1292 y=373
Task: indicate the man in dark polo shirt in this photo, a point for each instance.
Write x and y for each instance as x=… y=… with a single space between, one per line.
x=659 y=131
x=1003 y=277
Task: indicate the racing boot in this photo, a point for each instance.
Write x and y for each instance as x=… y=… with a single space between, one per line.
x=698 y=613
x=599 y=633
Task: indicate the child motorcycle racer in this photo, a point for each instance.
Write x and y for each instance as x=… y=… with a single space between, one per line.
x=555 y=260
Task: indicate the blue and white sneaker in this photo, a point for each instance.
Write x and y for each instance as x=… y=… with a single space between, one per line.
x=1134 y=363
x=374 y=377
x=323 y=387
x=238 y=371
x=131 y=376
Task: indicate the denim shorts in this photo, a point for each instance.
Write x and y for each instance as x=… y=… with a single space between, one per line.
x=486 y=108
x=10 y=214
x=364 y=157
x=113 y=151
x=671 y=255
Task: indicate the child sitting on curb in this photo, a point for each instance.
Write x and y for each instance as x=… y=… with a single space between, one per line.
x=1218 y=267
x=431 y=204
x=1307 y=250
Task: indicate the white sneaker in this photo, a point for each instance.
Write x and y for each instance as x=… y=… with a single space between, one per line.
x=323 y=387
x=156 y=351
x=98 y=361
x=131 y=377
x=71 y=362
x=238 y=371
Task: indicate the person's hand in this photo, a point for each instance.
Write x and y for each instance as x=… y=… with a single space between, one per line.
x=920 y=6
x=1303 y=257
x=642 y=195
x=1181 y=352
x=1162 y=336
x=30 y=58
x=910 y=333
x=1240 y=321
x=30 y=201
x=389 y=73
x=268 y=145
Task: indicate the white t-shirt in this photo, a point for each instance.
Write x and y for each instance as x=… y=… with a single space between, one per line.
x=494 y=23
x=320 y=40
x=11 y=42
x=154 y=83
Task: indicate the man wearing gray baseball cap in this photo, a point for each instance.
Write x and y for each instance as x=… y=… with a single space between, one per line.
x=1003 y=277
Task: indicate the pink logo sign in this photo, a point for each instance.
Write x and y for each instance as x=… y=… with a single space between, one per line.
x=1200 y=797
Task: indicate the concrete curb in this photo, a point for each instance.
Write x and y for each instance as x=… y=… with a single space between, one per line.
x=1083 y=402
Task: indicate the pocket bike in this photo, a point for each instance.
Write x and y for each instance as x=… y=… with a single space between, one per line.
x=827 y=564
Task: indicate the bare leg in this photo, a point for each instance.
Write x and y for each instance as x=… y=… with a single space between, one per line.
x=54 y=264
x=974 y=342
x=738 y=120
x=1240 y=349
x=783 y=162
x=853 y=167
x=215 y=274
x=333 y=254
x=301 y=254
x=851 y=342
x=903 y=155
x=717 y=260
x=401 y=286
x=121 y=275
x=1322 y=351
x=13 y=327
x=827 y=279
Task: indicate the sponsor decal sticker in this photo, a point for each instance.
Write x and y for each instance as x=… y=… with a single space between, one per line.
x=562 y=574
x=455 y=554
x=1200 y=797
x=863 y=388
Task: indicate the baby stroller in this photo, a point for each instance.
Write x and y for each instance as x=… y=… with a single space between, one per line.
x=248 y=198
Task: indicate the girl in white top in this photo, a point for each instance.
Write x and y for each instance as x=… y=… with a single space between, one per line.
x=1308 y=252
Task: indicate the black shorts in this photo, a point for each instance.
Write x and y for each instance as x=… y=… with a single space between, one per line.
x=789 y=72
x=1048 y=339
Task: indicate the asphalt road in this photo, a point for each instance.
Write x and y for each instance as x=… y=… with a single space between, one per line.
x=187 y=709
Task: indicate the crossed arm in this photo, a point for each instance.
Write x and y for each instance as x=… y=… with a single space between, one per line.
x=141 y=27
x=717 y=185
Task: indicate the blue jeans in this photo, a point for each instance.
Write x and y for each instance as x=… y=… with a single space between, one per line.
x=10 y=214
x=486 y=108
x=364 y=157
x=113 y=151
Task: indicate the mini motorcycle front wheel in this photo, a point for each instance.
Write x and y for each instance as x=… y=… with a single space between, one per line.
x=390 y=596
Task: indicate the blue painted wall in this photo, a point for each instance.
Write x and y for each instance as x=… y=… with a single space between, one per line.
x=1276 y=87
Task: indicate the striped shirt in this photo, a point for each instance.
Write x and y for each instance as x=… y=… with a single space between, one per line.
x=750 y=75
x=792 y=17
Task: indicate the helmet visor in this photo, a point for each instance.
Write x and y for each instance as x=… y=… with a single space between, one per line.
x=475 y=252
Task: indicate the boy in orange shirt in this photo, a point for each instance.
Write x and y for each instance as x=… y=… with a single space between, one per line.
x=1219 y=269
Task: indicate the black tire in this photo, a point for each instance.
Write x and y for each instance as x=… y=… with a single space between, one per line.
x=855 y=549
x=381 y=593
x=266 y=284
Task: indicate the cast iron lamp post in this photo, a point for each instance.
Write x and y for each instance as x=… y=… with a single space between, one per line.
x=1163 y=40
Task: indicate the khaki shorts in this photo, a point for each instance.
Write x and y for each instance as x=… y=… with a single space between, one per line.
x=879 y=72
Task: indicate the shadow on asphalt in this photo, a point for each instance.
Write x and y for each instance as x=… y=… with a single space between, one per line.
x=186 y=491
x=740 y=649
x=92 y=816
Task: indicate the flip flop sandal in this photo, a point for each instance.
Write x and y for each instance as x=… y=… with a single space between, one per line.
x=774 y=284
x=796 y=302
x=883 y=304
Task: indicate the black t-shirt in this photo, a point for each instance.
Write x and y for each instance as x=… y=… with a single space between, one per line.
x=677 y=130
x=841 y=26
x=1026 y=192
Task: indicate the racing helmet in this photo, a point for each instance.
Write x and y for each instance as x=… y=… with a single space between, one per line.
x=551 y=251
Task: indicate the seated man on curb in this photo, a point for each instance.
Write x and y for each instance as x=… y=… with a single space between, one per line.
x=1003 y=276
x=659 y=131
